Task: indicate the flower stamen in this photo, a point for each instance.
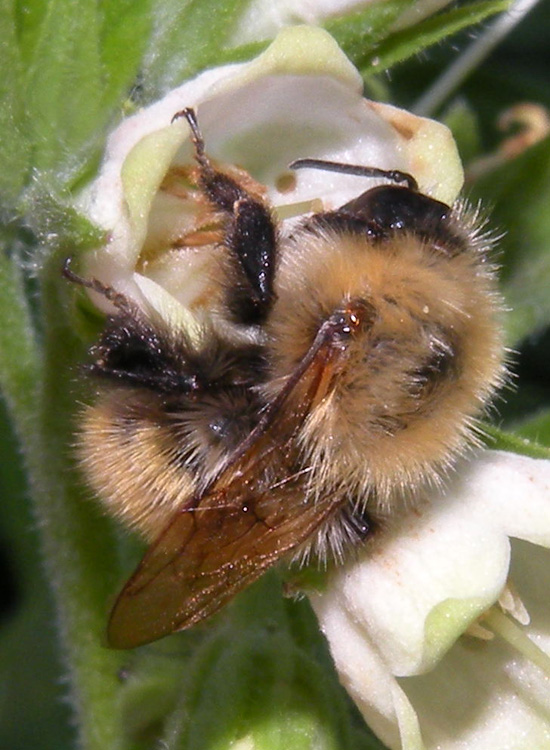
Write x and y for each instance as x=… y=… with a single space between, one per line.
x=515 y=636
x=510 y=602
x=475 y=630
x=290 y=210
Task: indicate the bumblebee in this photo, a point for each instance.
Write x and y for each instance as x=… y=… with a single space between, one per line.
x=339 y=371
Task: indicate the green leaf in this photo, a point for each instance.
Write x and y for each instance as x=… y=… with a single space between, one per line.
x=242 y=53
x=55 y=220
x=189 y=37
x=63 y=83
x=359 y=32
x=410 y=41
x=78 y=63
x=14 y=145
x=125 y=31
x=519 y=192
x=29 y=16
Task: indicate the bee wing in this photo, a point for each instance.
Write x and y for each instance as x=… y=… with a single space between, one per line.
x=251 y=515
x=205 y=557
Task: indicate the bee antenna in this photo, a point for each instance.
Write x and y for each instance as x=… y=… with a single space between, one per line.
x=395 y=175
x=70 y=275
x=118 y=299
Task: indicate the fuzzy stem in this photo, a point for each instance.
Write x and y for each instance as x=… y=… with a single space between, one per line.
x=78 y=549
x=20 y=366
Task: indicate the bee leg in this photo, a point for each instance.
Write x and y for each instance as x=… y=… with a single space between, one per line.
x=250 y=233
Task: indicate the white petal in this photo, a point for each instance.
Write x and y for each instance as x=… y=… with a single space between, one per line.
x=177 y=316
x=365 y=676
x=484 y=695
x=404 y=605
x=263 y=18
x=422 y=581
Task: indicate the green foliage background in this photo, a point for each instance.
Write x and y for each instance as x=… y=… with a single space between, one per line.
x=71 y=70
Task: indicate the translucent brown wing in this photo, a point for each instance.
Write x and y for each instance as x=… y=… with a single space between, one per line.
x=206 y=556
x=250 y=517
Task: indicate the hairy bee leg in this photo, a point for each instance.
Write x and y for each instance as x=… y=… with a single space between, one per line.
x=250 y=233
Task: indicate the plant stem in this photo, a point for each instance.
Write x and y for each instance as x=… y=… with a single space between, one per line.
x=78 y=547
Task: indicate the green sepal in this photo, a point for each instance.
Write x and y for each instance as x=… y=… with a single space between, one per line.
x=257 y=683
x=408 y=42
x=498 y=439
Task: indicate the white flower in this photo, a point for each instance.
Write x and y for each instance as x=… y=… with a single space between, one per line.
x=411 y=624
x=263 y=18
x=301 y=97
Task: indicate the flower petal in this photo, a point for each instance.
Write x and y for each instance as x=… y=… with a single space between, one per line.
x=421 y=582
x=424 y=579
x=263 y=18
x=430 y=151
x=366 y=678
